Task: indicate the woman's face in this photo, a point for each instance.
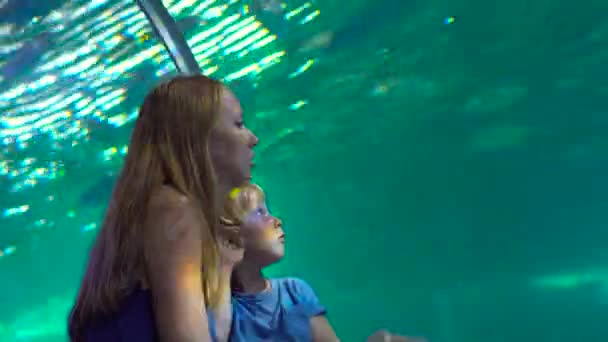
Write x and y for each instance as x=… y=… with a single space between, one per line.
x=231 y=143
x=263 y=236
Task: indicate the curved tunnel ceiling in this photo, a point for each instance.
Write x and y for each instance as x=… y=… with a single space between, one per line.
x=72 y=78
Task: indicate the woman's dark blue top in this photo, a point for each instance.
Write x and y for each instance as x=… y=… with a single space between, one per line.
x=280 y=314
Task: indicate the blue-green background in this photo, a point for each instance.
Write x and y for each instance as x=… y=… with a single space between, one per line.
x=440 y=165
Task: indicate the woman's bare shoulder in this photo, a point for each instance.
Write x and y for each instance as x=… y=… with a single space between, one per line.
x=173 y=258
x=172 y=214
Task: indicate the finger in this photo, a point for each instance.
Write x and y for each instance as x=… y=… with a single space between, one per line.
x=398 y=338
x=386 y=336
x=378 y=336
x=229 y=231
x=233 y=240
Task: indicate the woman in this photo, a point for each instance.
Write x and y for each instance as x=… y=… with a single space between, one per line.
x=279 y=309
x=154 y=268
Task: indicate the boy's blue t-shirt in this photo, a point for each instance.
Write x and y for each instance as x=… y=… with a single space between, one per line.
x=280 y=314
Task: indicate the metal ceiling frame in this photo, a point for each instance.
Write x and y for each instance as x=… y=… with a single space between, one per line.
x=166 y=28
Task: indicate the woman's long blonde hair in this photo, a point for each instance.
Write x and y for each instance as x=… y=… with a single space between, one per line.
x=169 y=146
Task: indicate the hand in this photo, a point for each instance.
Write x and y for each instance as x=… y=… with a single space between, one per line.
x=230 y=243
x=385 y=336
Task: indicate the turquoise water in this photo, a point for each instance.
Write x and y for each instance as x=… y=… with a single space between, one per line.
x=440 y=166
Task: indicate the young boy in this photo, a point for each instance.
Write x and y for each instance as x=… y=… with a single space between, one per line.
x=279 y=309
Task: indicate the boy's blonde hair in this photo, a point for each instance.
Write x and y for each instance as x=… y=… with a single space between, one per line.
x=239 y=202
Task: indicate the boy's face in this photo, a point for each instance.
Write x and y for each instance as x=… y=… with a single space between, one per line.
x=263 y=236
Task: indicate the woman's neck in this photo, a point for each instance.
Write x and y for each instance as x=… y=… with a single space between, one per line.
x=248 y=279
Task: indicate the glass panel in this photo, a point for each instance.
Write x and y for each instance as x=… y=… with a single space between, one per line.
x=226 y=38
x=72 y=76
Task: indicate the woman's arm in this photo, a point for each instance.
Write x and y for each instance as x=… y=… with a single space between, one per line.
x=321 y=330
x=172 y=250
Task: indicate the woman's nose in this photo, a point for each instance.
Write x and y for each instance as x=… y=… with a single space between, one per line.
x=278 y=223
x=253 y=139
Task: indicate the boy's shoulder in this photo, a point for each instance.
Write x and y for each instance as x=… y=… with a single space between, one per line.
x=294 y=281
x=299 y=293
x=296 y=286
